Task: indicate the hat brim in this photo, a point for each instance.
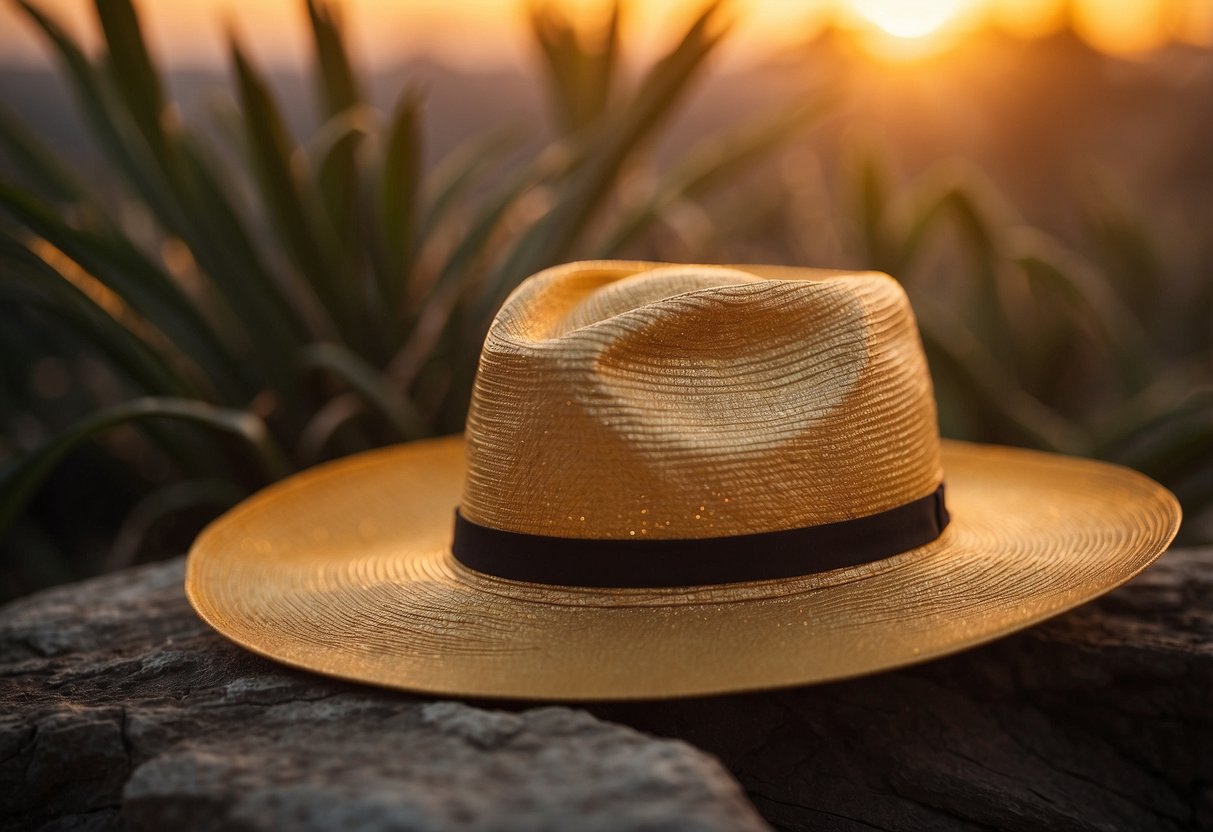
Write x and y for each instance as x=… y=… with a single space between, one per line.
x=345 y=570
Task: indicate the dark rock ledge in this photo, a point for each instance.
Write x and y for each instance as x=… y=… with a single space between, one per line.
x=119 y=709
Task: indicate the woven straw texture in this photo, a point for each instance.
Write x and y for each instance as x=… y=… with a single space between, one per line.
x=626 y=399
x=756 y=399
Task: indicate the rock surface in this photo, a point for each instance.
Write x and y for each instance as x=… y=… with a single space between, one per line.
x=119 y=709
x=1101 y=719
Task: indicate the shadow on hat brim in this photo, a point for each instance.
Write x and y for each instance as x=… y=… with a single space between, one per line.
x=344 y=570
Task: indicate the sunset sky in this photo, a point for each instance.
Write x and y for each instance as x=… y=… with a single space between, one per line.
x=489 y=32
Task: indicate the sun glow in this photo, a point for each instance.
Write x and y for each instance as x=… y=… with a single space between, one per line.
x=908 y=19
x=489 y=33
x=901 y=30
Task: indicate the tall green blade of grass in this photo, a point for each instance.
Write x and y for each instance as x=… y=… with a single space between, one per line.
x=1126 y=250
x=328 y=425
x=1170 y=397
x=1176 y=448
x=944 y=196
x=332 y=155
x=557 y=42
x=963 y=199
x=227 y=252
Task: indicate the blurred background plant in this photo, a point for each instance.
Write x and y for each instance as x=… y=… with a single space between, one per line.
x=212 y=320
x=1101 y=349
x=231 y=303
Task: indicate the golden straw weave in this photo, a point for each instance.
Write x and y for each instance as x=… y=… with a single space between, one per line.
x=621 y=400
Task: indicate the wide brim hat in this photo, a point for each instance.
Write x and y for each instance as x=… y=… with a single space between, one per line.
x=675 y=481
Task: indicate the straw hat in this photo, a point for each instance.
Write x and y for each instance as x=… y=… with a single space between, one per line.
x=675 y=480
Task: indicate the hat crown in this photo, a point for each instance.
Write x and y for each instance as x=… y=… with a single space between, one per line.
x=623 y=400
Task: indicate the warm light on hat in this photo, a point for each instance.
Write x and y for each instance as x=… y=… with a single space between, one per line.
x=675 y=480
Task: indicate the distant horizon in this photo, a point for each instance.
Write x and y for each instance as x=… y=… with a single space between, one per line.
x=490 y=35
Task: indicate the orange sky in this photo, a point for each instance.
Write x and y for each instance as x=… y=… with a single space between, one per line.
x=488 y=32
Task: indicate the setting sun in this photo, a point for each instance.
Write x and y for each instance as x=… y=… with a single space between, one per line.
x=901 y=30
x=492 y=32
x=909 y=19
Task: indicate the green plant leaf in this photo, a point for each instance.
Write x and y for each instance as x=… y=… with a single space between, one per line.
x=326 y=423
x=1126 y=249
x=949 y=195
x=579 y=69
x=115 y=262
x=1175 y=448
x=1092 y=301
x=20 y=480
x=341 y=103
x=133 y=71
x=378 y=391
x=48 y=290
x=340 y=91
x=456 y=282
x=164 y=503
x=215 y=247
x=399 y=191
x=550 y=238
x=709 y=165
x=333 y=152
x=293 y=212
x=29 y=155
x=1000 y=400
x=226 y=249
x=871 y=205
x=957 y=195
x=108 y=122
x=1174 y=396
x=459 y=172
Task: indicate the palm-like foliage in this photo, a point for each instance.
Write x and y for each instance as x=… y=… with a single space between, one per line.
x=328 y=295
x=1099 y=347
x=322 y=296
x=1103 y=352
